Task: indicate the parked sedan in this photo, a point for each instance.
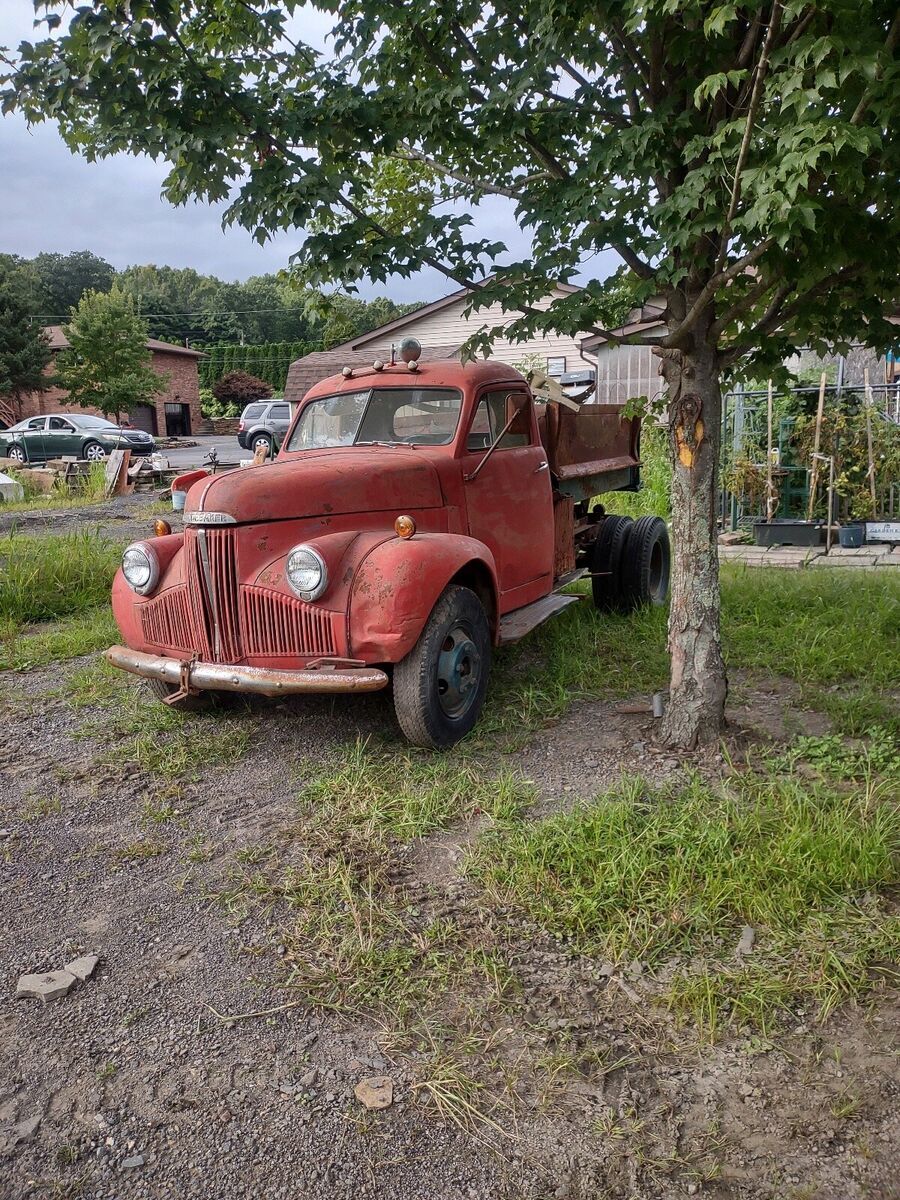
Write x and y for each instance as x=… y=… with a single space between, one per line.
x=70 y=434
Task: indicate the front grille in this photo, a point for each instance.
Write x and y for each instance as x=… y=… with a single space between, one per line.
x=219 y=621
x=166 y=620
x=275 y=624
x=211 y=571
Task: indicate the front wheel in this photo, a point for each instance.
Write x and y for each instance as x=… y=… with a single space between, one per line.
x=261 y=440
x=94 y=452
x=439 y=687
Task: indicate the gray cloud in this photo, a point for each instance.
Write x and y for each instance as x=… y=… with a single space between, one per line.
x=53 y=200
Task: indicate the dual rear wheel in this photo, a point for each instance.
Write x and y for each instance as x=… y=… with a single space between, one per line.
x=630 y=564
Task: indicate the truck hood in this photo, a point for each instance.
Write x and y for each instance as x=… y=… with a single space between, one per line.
x=321 y=483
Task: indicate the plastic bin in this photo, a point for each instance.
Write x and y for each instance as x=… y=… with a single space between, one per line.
x=852 y=536
x=789 y=533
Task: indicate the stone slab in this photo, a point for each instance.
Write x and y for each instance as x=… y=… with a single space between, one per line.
x=51 y=985
x=10 y=489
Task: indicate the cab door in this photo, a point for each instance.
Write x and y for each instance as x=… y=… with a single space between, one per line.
x=32 y=437
x=61 y=438
x=509 y=498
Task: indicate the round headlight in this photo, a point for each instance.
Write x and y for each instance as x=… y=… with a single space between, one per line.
x=140 y=566
x=306 y=572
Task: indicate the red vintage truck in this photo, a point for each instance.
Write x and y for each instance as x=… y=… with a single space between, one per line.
x=418 y=515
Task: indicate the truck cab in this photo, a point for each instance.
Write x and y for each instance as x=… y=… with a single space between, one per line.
x=416 y=516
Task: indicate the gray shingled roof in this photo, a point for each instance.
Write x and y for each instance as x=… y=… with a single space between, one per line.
x=308 y=370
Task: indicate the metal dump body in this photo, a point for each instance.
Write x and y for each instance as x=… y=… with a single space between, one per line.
x=591 y=451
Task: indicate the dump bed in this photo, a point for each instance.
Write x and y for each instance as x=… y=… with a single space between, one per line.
x=592 y=450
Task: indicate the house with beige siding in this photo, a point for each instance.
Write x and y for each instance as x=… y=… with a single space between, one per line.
x=442 y=328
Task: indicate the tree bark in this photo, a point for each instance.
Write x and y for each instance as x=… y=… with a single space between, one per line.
x=696 y=712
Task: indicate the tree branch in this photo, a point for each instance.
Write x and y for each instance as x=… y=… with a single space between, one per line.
x=642 y=269
x=891 y=41
x=711 y=287
x=412 y=155
x=755 y=96
x=740 y=306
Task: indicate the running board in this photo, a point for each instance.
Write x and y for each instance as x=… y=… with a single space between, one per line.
x=516 y=624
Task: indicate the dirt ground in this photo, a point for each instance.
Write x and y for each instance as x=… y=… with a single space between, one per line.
x=134 y=1086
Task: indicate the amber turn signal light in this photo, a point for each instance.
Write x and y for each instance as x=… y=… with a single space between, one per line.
x=161 y=528
x=404 y=527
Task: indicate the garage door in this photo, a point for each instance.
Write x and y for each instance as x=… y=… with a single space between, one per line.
x=143 y=416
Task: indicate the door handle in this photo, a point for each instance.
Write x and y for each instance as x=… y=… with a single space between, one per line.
x=542 y=467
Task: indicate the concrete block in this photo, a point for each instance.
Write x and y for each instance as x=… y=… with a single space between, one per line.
x=39 y=478
x=857 y=562
x=10 y=489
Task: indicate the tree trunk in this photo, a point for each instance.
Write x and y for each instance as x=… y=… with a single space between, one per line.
x=696 y=712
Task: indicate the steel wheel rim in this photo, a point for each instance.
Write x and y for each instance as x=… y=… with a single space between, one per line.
x=458 y=672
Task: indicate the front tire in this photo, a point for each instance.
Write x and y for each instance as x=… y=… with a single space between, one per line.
x=263 y=439
x=439 y=687
x=94 y=452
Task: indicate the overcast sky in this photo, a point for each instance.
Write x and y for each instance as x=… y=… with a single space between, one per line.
x=54 y=200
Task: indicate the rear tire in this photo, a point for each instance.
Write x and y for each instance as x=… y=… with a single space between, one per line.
x=161 y=690
x=646 y=565
x=606 y=559
x=439 y=687
x=17 y=454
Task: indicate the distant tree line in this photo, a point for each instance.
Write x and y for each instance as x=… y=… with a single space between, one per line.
x=268 y=361
x=182 y=306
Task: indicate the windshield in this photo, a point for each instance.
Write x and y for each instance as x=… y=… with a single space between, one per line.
x=92 y=423
x=406 y=416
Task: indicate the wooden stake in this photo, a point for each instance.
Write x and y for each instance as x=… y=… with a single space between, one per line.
x=814 y=478
x=770 y=487
x=869 y=440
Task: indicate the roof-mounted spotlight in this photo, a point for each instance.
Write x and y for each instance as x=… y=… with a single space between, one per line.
x=347 y=372
x=410 y=351
x=377 y=365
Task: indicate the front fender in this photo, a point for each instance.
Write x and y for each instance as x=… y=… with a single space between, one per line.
x=398 y=584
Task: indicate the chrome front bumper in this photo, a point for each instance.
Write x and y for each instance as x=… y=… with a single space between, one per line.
x=264 y=681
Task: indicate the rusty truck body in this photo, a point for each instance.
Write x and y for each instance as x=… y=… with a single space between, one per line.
x=417 y=516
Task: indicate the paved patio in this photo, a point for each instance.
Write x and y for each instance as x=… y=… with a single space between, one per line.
x=869 y=556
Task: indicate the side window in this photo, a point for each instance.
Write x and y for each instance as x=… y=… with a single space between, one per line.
x=59 y=423
x=494 y=411
x=36 y=423
x=279 y=412
x=254 y=411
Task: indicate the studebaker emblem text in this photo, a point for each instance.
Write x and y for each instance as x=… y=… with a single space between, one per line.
x=209 y=518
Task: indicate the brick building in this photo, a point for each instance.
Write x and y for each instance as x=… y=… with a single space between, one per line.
x=177 y=408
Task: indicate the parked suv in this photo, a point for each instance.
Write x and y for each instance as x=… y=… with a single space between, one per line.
x=264 y=423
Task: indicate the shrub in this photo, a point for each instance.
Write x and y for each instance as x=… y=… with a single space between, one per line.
x=238 y=388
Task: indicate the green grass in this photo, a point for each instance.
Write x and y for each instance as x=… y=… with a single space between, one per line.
x=408 y=793
x=837 y=634
x=654 y=498
x=672 y=877
x=170 y=744
x=87 y=632
x=89 y=489
x=43 y=578
x=838 y=637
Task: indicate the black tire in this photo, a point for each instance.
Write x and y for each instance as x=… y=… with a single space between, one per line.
x=194 y=703
x=93 y=452
x=646 y=565
x=606 y=560
x=439 y=687
x=262 y=439
x=17 y=454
